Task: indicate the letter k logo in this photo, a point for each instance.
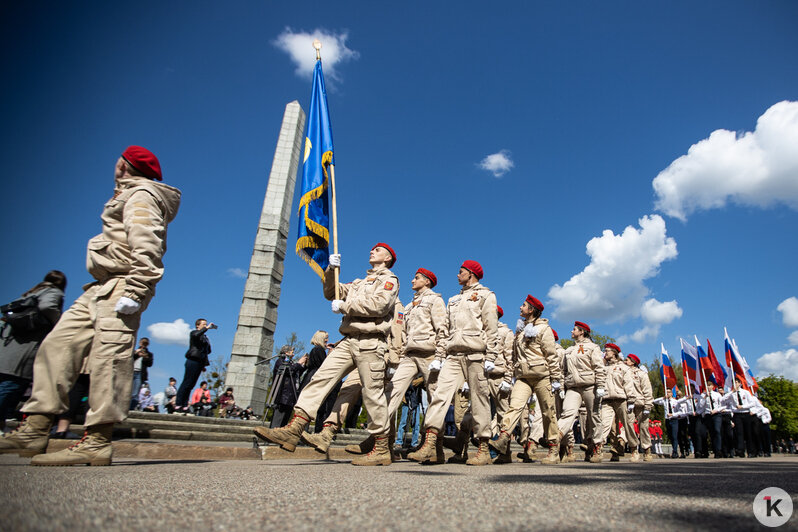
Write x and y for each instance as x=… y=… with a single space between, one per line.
x=772 y=506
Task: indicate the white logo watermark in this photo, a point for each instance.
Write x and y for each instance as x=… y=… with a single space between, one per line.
x=772 y=507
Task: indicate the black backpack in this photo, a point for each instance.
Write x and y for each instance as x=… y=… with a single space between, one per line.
x=24 y=316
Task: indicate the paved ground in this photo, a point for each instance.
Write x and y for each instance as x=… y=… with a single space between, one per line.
x=333 y=495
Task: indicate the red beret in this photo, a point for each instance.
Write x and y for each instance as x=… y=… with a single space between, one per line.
x=583 y=325
x=389 y=249
x=534 y=302
x=556 y=336
x=500 y=310
x=144 y=161
x=429 y=275
x=474 y=267
x=634 y=358
x=612 y=346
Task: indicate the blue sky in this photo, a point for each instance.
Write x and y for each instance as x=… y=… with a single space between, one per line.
x=512 y=133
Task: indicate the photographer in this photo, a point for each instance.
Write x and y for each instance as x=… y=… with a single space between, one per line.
x=18 y=346
x=287 y=394
x=196 y=362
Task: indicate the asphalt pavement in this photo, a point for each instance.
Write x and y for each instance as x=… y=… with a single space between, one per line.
x=200 y=495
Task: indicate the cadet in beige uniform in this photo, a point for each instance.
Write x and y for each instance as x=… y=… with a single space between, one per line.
x=471 y=351
x=618 y=403
x=643 y=404
x=584 y=381
x=350 y=392
x=500 y=380
x=126 y=263
x=537 y=370
x=368 y=309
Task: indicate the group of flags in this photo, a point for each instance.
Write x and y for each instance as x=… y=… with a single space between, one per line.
x=700 y=367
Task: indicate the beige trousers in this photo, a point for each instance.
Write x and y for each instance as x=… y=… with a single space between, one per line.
x=347 y=396
x=92 y=329
x=613 y=411
x=536 y=428
x=366 y=355
x=522 y=391
x=570 y=409
x=501 y=400
x=460 y=368
x=411 y=365
x=642 y=425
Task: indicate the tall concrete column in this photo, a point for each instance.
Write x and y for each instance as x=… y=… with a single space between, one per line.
x=257 y=320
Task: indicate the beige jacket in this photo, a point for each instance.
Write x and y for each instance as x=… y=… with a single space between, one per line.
x=473 y=322
x=537 y=356
x=504 y=362
x=619 y=382
x=584 y=365
x=560 y=355
x=133 y=240
x=395 y=339
x=425 y=328
x=368 y=306
x=642 y=384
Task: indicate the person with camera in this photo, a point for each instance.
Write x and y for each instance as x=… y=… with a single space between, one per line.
x=142 y=359
x=126 y=261
x=286 y=373
x=199 y=347
x=38 y=310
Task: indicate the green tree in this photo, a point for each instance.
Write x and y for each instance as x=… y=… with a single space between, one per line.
x=217 y=374
x=293 y=341
x=780 y=396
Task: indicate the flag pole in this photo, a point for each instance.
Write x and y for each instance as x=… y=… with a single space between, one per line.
x=336 y=271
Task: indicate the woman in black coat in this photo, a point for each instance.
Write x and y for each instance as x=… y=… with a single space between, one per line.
x=288 y=393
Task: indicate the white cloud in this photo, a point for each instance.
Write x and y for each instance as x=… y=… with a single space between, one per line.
x=648 y=332
x=789 y=311
x=299 y=46
x=176 y=332
x=783 y=363
x=758 y=168
x=658 y=313
x=497 y=163
x=237 y=272
x=793 y=338
x=611 y=287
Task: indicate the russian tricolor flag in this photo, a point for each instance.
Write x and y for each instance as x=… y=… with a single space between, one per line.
x=690 y=365
x=734 y=360
x=667 y=372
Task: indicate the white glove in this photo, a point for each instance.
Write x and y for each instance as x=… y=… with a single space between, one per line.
x=125 y=305
x=519 y=325
x=600 y=392
x=530 y=331
x=555 y=385
x=390 y=371
x=630 y=408
x=505 y=387
x=335 y=260
x=562 y=394
x=489 y=366
x=646 y=412
x=435 y=365
x=336 y=305
x=465 y=388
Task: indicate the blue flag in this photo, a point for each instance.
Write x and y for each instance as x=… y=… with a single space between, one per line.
x=313 y=239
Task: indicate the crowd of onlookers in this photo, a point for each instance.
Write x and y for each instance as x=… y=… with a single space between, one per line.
x=200 y=404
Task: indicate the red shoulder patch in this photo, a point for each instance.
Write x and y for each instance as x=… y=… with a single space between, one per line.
x=388 y=285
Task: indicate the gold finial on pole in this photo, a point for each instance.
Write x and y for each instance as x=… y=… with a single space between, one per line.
x=317 y=46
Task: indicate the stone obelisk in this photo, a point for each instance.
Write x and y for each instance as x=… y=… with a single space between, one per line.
x=257 y=319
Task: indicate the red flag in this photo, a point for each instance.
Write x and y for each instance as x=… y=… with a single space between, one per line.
x=717 y=369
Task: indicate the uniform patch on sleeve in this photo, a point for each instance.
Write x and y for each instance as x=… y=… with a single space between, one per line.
x=388 y=285
x=400 y=317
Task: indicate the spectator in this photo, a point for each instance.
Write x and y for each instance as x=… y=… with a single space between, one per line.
x=145 y=401
x=170 y=394
x=196 y=361
x=248 y=413
x=315 y=358
x=199 y=393
x=410 y=415
x=286 y=377
x=78 y=403
x=19 y=341
x=227 y=403
x=204 y=408
x=142 y=359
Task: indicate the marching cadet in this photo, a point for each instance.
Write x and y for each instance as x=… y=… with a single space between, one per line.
x=566 y=440
x=740 y=401
x=368 y=313
x=671 y=407
x=537 y=371
x=500 y=380
x=350 y=392
x=643 y=403
x=99 y=329
x=472 y=349
x=585 y=378
x=424 y=346
x=619 y=401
